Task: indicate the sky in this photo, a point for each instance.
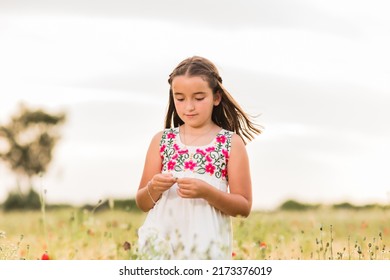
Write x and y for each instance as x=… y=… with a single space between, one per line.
x=315 y=72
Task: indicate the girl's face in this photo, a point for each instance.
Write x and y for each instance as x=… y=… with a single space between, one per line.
x=194 y=100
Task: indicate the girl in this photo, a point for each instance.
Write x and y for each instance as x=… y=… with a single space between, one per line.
x=196 y=172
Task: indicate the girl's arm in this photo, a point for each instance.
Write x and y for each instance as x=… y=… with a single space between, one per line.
x=152 y=183
x=239 y=201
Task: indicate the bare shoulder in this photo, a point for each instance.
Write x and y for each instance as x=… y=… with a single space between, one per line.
x=155 y=141
x=157 y=136
x=152 y=163
x=153 y=154
x=238 y=144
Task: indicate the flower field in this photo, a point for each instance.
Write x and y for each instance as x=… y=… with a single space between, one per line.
x=322 y=234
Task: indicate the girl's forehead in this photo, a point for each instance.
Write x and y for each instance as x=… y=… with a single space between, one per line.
x=188 y=78
x=189 y=82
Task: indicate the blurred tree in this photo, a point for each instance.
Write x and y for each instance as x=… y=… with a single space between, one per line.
x=297 y=206
x=27 y=142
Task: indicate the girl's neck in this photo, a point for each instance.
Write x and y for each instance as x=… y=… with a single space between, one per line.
x=194 y=136
x=198 y=131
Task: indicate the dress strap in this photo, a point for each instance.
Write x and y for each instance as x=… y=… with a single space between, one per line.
x=169 y=135
x=224 y=139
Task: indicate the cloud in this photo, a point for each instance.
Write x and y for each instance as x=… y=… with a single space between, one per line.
x=338 y=106
x=225 y=14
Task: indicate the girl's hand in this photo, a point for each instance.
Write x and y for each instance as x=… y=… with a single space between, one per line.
x=161 y=182
x=191 y=188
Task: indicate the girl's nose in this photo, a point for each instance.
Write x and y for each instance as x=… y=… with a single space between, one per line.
x=190 y=106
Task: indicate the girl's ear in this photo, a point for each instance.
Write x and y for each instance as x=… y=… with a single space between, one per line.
x=217 y=98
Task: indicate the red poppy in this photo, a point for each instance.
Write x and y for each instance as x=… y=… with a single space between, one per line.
x=45 y=257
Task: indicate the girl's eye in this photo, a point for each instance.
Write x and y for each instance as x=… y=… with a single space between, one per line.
x=179 y=99
x=199 y=99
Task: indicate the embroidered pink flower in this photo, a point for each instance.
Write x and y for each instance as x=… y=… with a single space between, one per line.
x=200 y=151
x=221 y=139
x=190 y=165
x=211 y=159
x=171 y=165
x=210 y=168
x=210 y=149
x=171 y=135
x=225 y=153
x=224 y=173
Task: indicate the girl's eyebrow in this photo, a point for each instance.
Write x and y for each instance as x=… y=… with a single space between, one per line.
x=195 y=93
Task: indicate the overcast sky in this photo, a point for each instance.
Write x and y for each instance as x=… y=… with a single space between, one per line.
x=317 y=72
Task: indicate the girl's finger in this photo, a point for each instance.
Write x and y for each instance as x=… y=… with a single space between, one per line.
x=182 y=193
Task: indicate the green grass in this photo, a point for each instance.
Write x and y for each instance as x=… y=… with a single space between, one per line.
x=316 y=234
x=74 y=234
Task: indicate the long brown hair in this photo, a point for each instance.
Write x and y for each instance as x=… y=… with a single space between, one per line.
x=228 y=114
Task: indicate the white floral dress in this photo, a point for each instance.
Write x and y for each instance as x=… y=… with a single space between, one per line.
x=182 y=228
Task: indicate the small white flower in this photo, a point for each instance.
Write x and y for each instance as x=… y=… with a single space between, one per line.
x=2 y=234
